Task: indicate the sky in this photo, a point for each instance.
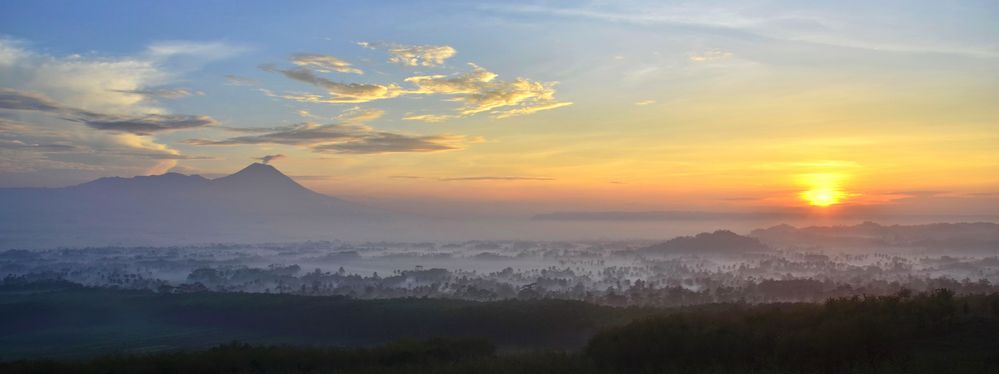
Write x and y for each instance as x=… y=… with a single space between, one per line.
x=518 y=107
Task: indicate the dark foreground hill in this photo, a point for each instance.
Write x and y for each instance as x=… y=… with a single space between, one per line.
x=926 y=333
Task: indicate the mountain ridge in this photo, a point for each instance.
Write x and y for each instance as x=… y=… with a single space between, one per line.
x=717 y=242
x=258 y=199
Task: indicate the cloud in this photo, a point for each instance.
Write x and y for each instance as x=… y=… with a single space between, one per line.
x=431 y=118
x=116 y=95
x=529 y=109
x=384 y=142
x=145 y=124
x=137 y=145
x=7 y=125
x=266 y=159
x=166 y=156
x=405 y=177
x=117 y=84
x=420 y=55
x=360 y=115
x=339 y=92
x=502 y=178
x=324 y=63
x=708 y=56
x=305 y=134
x=20 y=145
x=235 y=80
x=345 y=138
x=252 y=130
x=164 y=93
x=414 y=55
x=467 y=83
x=478 y=90
x=202 y=51
x=87 y=83
x=645 y=102
x=17 y=100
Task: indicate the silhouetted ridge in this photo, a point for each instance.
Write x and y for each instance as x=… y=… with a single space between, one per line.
x=257 y=176
x=983 y=236
x=258 y=196
x=718 y=242
x=258 y=170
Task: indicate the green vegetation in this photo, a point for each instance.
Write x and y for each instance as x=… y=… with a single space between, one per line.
x=924 y=333
x=64 y=320
x=931 y=333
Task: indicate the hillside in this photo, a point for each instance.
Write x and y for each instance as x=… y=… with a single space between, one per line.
x=718 y=242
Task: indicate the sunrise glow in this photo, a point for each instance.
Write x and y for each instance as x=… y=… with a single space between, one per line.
x=824 y=189
x=823 y=197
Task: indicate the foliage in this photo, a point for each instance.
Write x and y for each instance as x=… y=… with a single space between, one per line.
x=904 y=333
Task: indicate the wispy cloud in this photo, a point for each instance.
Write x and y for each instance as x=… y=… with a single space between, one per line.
x=710 y=55
x=339 y=92
x=480 y=91
x=145 y=124
x=360 y=115
x=430 y=118
x=235 y=80
x=385 y=142
x=346 y=138
x=163 y=93
x=20 y=145
x=496 y=178
x=324 y=63
x=414 y=55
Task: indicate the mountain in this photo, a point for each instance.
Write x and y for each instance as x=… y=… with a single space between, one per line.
x=714 y=243
x=253 y=202
x=971 y=236
x=261 y=178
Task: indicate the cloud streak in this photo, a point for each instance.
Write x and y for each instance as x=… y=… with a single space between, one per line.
x=163 y=93
x=324 y=63
x=339 y=92
x=496 y=178
x=11 y=99
x=346 y=138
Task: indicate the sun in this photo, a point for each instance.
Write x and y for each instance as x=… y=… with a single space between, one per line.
x=823 y=197
x=823 y=189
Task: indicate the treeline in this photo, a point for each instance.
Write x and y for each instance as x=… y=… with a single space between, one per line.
x=934 y=332
x=65 y=320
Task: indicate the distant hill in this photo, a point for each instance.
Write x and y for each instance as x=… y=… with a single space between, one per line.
x=256 y=199
x=718 y=242
x=977 y=236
